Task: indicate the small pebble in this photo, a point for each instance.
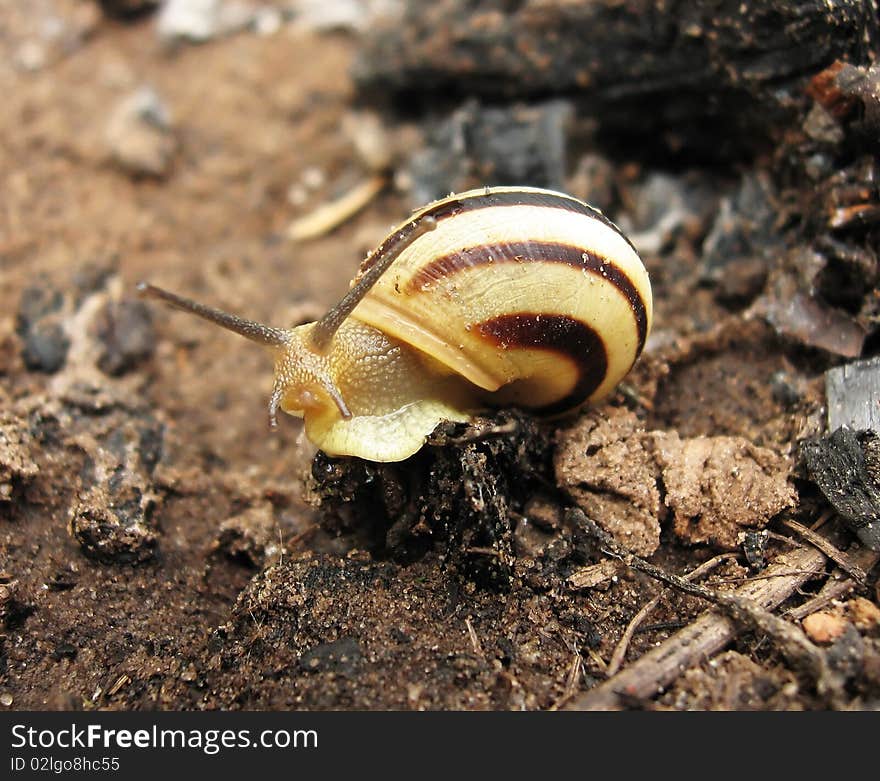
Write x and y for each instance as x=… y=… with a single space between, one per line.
x=313 y=177
x=45 y=347
x=268 y=21
x=190 y=20
x=139 y=134
x=31 y=56
x=197 y=21
x=321 y=16
x=821 y=126
x=370 y=139
x=5 y=699
x=125 y=331
x=824 y=627
x=864 y=613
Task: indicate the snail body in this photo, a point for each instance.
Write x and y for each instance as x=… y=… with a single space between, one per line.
x=491 y=297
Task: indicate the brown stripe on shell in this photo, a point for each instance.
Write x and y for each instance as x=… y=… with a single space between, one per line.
x=489 y=199
x=532 y=251
x=569 y=338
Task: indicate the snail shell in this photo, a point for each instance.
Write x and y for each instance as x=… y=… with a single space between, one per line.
x=492 y=297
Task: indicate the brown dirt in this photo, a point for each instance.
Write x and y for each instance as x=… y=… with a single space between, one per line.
x=156 y=547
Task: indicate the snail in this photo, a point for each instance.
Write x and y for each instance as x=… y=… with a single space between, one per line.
x=491 y=297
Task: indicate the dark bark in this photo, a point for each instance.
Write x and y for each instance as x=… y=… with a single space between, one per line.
x=846 y=467
x=739 y=66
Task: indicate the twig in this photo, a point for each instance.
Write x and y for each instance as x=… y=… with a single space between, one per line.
x=835 y=587
x=747 y=606
x=782 y=538
x=620 y=650
x=822 y=520
x=594 y=574
x=758 y=576
x=838 y=557
x=596 y=659
x=475 y=641
x=573 y=678
x=121 y=681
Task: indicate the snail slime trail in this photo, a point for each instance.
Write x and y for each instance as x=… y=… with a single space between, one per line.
x=497 y=297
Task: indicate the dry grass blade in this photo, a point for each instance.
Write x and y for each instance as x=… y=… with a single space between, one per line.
x=837 y=556
x=836 y=586
x=620 y=650
x=332 y=214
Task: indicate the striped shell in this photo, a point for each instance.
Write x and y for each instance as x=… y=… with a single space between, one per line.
x=506 y=295
x=527 y=293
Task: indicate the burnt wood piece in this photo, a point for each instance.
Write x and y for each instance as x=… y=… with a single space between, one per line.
x=128 y=9
x=634 y=66
x=846 y=467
